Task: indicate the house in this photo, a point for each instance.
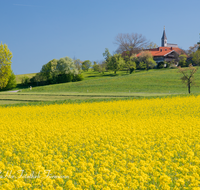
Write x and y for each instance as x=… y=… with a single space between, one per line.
x=167 y=52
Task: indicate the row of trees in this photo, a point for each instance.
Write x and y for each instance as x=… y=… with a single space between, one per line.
x=56 y=71
x=128 y=62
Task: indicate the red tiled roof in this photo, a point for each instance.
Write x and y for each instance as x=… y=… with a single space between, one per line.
x=163 y=51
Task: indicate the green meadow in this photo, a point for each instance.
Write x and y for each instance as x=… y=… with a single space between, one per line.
x=103 y=87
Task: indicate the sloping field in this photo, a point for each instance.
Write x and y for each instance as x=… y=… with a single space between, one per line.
x=152 y=81
x=134 y=144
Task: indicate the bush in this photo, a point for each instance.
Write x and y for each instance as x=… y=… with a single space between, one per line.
x=160 y=65
x=25 y=80
x=78 y=77
x=61 y=78
x=11 y=82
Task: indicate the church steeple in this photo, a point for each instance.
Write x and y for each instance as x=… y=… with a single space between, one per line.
x=164 y=39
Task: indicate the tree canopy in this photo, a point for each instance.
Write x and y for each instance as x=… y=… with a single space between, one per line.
x=86 y=65
x=115 y=62
x=146 y=60
x=128 y=42
x=5 y=65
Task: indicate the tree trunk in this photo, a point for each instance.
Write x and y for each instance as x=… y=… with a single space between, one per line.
x=115 y=72
x=189 y=88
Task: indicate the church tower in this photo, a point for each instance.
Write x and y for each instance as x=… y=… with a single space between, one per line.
x=164 y=39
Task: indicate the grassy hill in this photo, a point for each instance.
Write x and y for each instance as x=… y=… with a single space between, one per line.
x=98 y=87
x=152 y=81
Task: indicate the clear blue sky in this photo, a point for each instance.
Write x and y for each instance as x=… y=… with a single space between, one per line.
x=37 y=31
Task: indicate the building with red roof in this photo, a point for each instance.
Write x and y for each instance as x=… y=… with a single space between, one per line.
x=167 y=52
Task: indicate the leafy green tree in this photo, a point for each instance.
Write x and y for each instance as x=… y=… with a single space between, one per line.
x=196 y=57
x=48 y=70
x=66 y=65
x=106 y=54
x=25 y=80
x=95 y=66
x=142 y=65
x=182 y=60
x=86 y=65
x=11 y=82
x=147 y=58
x=102 y=66
x=115 y=62
x=78 y=64
x=5 y=65
x=130 y=62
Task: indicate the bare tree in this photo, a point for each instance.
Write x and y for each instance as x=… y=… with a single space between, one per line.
x=188 y=75
x=129 y=42
x=192 y=49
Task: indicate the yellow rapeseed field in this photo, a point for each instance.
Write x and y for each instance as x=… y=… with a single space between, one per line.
x=121 y=145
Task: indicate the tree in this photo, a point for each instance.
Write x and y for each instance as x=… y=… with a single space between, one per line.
x=188 y=75
x=196 y=57
x=48 y=70
x=11 y=82
x=130 y=62
x=86 y=65
x=95 y=66
x=102 y=66
x=5 y=65
x=66 y=65
x=129 y=42
x=147 y=60
x=115 y=62
x=78 y=64
x=192 y=49
x=106 y=54
x=182 y=60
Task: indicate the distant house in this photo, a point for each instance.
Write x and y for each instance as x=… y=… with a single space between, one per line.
x=162 y=54
x=167 y=52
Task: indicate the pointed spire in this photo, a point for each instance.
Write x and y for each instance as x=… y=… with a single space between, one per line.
x=164 y=35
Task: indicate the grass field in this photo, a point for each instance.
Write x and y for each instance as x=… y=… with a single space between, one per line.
x=98 y=87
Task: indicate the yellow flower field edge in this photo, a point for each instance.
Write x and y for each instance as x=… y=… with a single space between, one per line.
x=132 y=144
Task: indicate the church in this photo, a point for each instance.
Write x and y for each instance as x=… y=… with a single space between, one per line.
x=167 y=52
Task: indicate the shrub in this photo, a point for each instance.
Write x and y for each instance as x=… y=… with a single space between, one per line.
x=25 y=80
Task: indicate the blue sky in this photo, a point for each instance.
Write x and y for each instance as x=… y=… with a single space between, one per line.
x=37 y=31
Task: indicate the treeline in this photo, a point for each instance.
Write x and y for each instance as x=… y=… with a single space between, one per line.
x=55 y=71
x=144 y=61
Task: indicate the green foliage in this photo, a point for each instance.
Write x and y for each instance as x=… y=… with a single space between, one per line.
x=25 y=80
x=48 y=71
x=182 y=60
x=106 y=54
x=147 y=58
x=142 y=65
x=160 y=65
x=86 y=65
x=78 y=64
x=66 y=65
x=130 y=62
x=115 y=63
x=5 y=65
x=11 y=82
x=96 y=66
x=57 y=71
x=196 y=57
x=78 y=77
